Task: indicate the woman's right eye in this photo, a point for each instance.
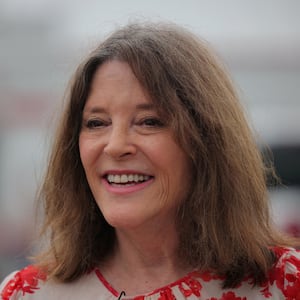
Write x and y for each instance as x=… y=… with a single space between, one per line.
x=95 y=123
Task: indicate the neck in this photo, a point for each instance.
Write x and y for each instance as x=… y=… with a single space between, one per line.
x=148 y=250
x=147 y=257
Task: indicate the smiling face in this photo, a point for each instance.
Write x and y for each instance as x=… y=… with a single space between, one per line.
x=135 y=169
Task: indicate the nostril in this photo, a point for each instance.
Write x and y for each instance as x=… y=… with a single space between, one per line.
x=126 y=154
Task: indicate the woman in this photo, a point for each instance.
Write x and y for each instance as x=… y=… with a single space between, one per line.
x=155 y=188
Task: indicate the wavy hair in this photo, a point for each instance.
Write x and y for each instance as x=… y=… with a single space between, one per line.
x=224 y=225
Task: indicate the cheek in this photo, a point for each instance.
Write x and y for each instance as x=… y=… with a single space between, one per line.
x=88 y=151
x=83 y=151
x=180 y=174
x=173 y=161
x=174 y=171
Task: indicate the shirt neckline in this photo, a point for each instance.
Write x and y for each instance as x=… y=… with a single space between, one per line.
x=113 y=291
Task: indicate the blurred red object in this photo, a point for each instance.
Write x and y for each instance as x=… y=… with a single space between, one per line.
x=293 y=229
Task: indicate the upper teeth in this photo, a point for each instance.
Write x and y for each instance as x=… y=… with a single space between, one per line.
x=124 y=178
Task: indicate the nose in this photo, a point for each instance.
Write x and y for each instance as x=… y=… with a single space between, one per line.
x=120 y=143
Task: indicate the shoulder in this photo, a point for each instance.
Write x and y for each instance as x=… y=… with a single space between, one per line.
x=24 y=281
x=288 y=260
x=285 y=274
x=32 y=284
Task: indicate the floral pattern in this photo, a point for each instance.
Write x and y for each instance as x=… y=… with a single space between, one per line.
x=283 y=283
x=26 y=281
x=287 y=282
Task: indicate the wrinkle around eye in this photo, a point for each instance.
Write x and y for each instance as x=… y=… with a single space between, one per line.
x=151 y=122
x=95 y=123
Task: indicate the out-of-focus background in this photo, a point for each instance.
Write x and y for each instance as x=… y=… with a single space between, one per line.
x=42 y=41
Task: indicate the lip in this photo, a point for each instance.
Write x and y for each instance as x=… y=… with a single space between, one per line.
x=125 y=189
x=119 y=172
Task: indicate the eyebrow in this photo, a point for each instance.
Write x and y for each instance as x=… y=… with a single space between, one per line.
x=99 y=109
x=145 y=106
x=94 y=110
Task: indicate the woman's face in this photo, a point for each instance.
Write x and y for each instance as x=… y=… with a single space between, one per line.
x=136 y=171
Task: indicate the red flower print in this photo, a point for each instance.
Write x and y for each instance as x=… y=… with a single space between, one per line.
x=266 y=292
x=206 y=276
x=194 y=287
x=292 y=289
x=285 y=275
x=231 y=296
x=25 y=280
x=166 y=294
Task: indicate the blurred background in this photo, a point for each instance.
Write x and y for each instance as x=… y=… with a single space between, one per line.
x=42 y=41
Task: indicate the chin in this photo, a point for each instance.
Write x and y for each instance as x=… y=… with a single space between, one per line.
x=123 y=222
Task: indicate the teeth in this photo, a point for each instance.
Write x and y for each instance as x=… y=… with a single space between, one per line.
x=125 y=178
x=136 y=178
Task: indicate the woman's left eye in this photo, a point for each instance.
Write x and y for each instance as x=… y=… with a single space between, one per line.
x=151 y=122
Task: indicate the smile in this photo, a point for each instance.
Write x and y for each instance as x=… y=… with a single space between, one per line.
x=126 y=178
x=124 y=183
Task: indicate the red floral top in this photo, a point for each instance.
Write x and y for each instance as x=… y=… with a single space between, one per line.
x=283 y=283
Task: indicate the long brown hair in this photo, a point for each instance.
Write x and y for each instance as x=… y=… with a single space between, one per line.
x=224 y=225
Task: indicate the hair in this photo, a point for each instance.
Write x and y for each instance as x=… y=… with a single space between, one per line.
x=224 y=225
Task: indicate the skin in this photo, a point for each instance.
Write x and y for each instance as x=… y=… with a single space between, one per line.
x=122 y=133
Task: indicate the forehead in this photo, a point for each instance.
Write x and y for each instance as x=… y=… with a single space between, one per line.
x=114 y=70
x=115 y=76
x=114 y=84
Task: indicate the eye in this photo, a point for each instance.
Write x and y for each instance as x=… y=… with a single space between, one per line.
x=95 y=123
x=151 y=122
